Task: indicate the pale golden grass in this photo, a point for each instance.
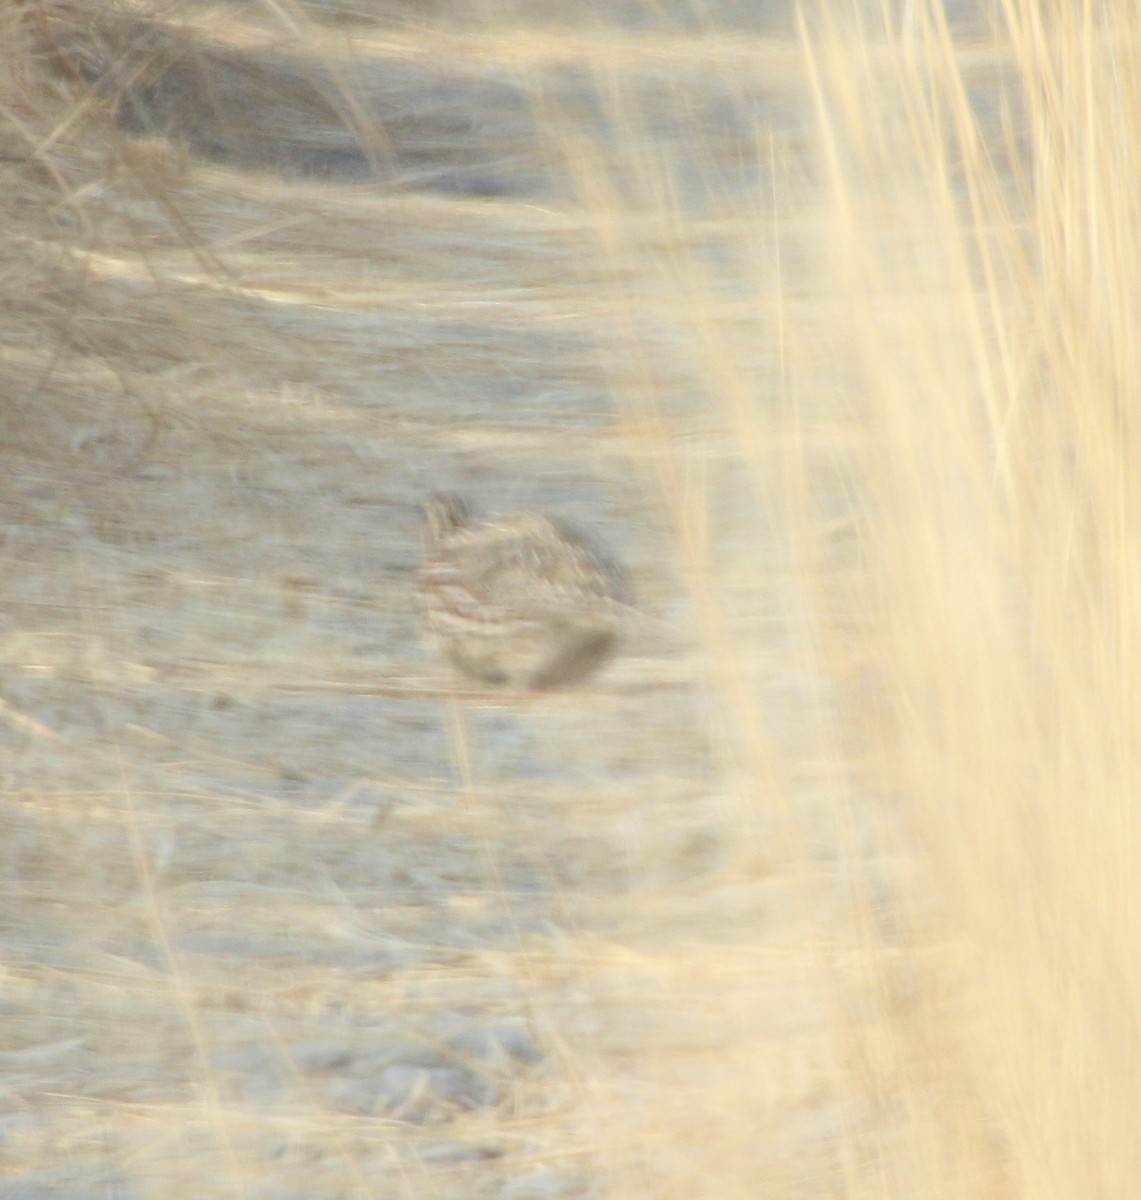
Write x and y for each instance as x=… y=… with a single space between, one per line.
x=826 y=889
x=981 y=247
x=969 y=652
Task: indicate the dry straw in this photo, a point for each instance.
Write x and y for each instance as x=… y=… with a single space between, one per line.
x=829 y=890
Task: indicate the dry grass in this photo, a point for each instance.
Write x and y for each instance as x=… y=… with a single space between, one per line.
x=981 y=240
x=826 y=888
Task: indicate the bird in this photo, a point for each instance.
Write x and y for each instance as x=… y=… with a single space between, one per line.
x=518 y=599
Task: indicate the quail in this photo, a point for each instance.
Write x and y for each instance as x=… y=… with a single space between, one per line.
x=518 y=599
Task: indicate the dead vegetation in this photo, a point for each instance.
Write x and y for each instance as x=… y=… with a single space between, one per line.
x=825 y=887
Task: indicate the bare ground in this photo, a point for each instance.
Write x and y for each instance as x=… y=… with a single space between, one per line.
x=287 y=912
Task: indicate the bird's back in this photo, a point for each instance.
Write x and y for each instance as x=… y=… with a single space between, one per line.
x=518 y=595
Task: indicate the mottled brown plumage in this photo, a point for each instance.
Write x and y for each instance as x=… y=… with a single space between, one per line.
x=517 y=598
